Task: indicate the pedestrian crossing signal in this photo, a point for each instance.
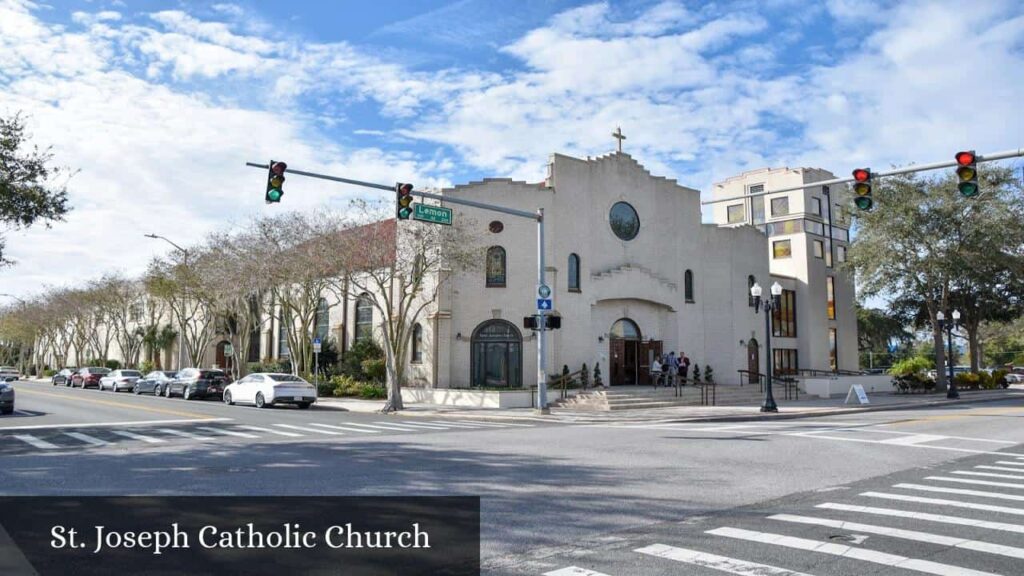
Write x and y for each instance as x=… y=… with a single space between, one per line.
x=403 y=201
x=967 y=173
x=275 y=182
x=862 y=188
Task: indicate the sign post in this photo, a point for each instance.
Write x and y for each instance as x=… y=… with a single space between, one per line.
x=316 y=364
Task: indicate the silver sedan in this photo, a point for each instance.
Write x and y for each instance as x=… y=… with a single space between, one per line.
x=120 y=380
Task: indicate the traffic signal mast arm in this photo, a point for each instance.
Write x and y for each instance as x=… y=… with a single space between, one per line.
x=921 y=168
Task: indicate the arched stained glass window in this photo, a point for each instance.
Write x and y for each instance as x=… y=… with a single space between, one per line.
x=496 y=267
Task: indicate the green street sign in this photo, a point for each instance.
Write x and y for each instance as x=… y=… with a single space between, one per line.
x=434 y=214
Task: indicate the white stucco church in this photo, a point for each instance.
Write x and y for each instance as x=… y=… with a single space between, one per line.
x=634 y=273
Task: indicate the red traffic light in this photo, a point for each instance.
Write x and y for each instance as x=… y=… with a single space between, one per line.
x=279 y=168
x=862 y=174
x=405 y=189
x=965 y=158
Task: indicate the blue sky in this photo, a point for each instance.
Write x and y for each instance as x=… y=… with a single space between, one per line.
x=159 y=104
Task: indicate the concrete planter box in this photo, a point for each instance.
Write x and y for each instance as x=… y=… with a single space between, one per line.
x=839 y=386
x=469 y=398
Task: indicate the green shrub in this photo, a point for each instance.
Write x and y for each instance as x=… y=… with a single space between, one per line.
x=373 y=392
x=346 y=386
x=270 y=365
x=597 y=375
x=709 y=375
x=915 y=365
x=967 y=381
x=146 y=367
x=985 y=381
x=375 y=370
x=999 y=378
x=352 y=362
x=48 y=373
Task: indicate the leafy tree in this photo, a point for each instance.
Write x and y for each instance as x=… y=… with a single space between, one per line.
x=27 y=195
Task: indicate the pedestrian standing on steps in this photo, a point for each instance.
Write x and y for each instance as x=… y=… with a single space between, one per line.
x=656 y=371
x=671 y=369
x=684 y=366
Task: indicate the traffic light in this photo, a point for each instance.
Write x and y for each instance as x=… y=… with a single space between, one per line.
x=403 y=201
x=967 y=172
x=862 y=188
x=275 y=181
x=552 y=322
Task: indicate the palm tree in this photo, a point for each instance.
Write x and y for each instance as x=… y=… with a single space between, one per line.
x=164 y=339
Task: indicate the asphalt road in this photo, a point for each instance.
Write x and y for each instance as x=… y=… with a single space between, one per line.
x=615 y=499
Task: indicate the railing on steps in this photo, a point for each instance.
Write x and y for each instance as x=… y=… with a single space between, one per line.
x=812 y=372
x=751 y=377
x=561 y=384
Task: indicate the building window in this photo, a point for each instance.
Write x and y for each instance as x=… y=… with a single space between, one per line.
x=828 y=253
x=782 y=249
x=830 y=290
x=785 y=362
x=780 y=206
x=815 y=206
x=750 y=284
x=784 y=316
x=833 y=349
x=840 y=215
x=757 y=204
x=323 y=319
x=736 y=214
x=364 y=318
x=841 y=253
x=819 y=249
x=417 y=343
x=574 y=273
x=495 y=267
x=688 y=285
x=283 y=351
x=624 y=221
x=136 y=312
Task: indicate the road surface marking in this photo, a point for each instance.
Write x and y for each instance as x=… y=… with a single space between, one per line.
x=316 y=430
x=38 y=443
x=1000 y=468
x=135 y=436
x=940 y=518
x=482 y=424
x=943 y=502
x=87 y=439
x=421 y=426
x=866 y=441
x=720 y=563
x=499 y=424
x=124 y=405
x=108 y=424
x=977 y=546
x=945 y=490
x=991 y=474
x=385 y=427
x=1010 y=463
x=188 y=435
x=345 y=428
x=226 y=432
x=978 y=482
x=844 y=551
x=574 y=571
x=270 y=431
x=459 y=425
x=913 y=439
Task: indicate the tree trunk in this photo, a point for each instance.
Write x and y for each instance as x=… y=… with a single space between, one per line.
x=394 y=402
x=974 y=347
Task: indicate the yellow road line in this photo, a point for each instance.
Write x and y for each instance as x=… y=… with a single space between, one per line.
x=972 y=414
x=118 y=404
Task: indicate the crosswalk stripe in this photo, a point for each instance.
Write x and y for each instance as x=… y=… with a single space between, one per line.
x=944 y=502
x=135 y=436
x=188 y=435
x=345 y=428
x=498 y=424
x=270 y=431
x=989 y=474
x=976 y=545
x=385 y=427
x=715 y=562
x=1011 y=463
x=940 y=518
x=459 y=425
x=36 y=442
x=423 y=426
x=227 y=432
x=978 y=482
x=912 y=439
x=916 y=564
x=87 y=439
x=574 y=571
x=945 y=490
x=316 y=430
x=1003 y=468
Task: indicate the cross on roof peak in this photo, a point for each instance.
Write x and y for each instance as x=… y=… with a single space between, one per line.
x=618 y=135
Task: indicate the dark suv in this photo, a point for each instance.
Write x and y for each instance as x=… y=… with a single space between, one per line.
x=193 y=383
x=89 y=377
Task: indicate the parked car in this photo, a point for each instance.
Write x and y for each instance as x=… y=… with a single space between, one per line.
x=62 y=377
x=195 y=383
x=265 y=389
x=154 y=382
x=8 y=373
x=1013 y=378
x=120 y=380
x=6 y=398
x=88 y=377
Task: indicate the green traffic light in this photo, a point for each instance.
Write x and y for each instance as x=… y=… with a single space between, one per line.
x=968 y=189
x=863 y=202
x=274 y=195
x=404 y=213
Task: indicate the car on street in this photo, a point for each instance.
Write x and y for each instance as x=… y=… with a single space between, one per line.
x=267 y=389
x=63 y=377
x=88 y=377
x=8 y=373
x=196 y=383
x=6 y=398
x=1012 y=378
x=120 y=380
x=154 y=382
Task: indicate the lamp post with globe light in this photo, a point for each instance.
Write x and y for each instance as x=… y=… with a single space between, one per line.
x=951 y=392
x=769 y=306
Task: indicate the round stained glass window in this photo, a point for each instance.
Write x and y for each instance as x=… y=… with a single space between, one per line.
x=496 y=226
x=624 y=221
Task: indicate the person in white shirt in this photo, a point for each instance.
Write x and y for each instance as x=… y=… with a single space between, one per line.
x=656 y=371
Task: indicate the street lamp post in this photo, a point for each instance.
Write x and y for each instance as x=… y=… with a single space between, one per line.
x=769 y=305
x=951 y=392
x=181 y=316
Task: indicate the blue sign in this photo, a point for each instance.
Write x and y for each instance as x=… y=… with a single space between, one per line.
x=543 y=304
x=316 y=341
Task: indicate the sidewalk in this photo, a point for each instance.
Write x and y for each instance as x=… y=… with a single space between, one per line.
x=787 y=409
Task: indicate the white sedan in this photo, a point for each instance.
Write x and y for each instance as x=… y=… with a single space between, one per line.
x=264 y=389
x=120 y=380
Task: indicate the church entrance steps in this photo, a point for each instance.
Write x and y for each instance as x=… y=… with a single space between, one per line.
x=636 y=397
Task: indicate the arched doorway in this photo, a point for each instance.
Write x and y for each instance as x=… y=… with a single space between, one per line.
x=626 y=353
x=224 y=360
x=497 y=358
x=753 y=359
